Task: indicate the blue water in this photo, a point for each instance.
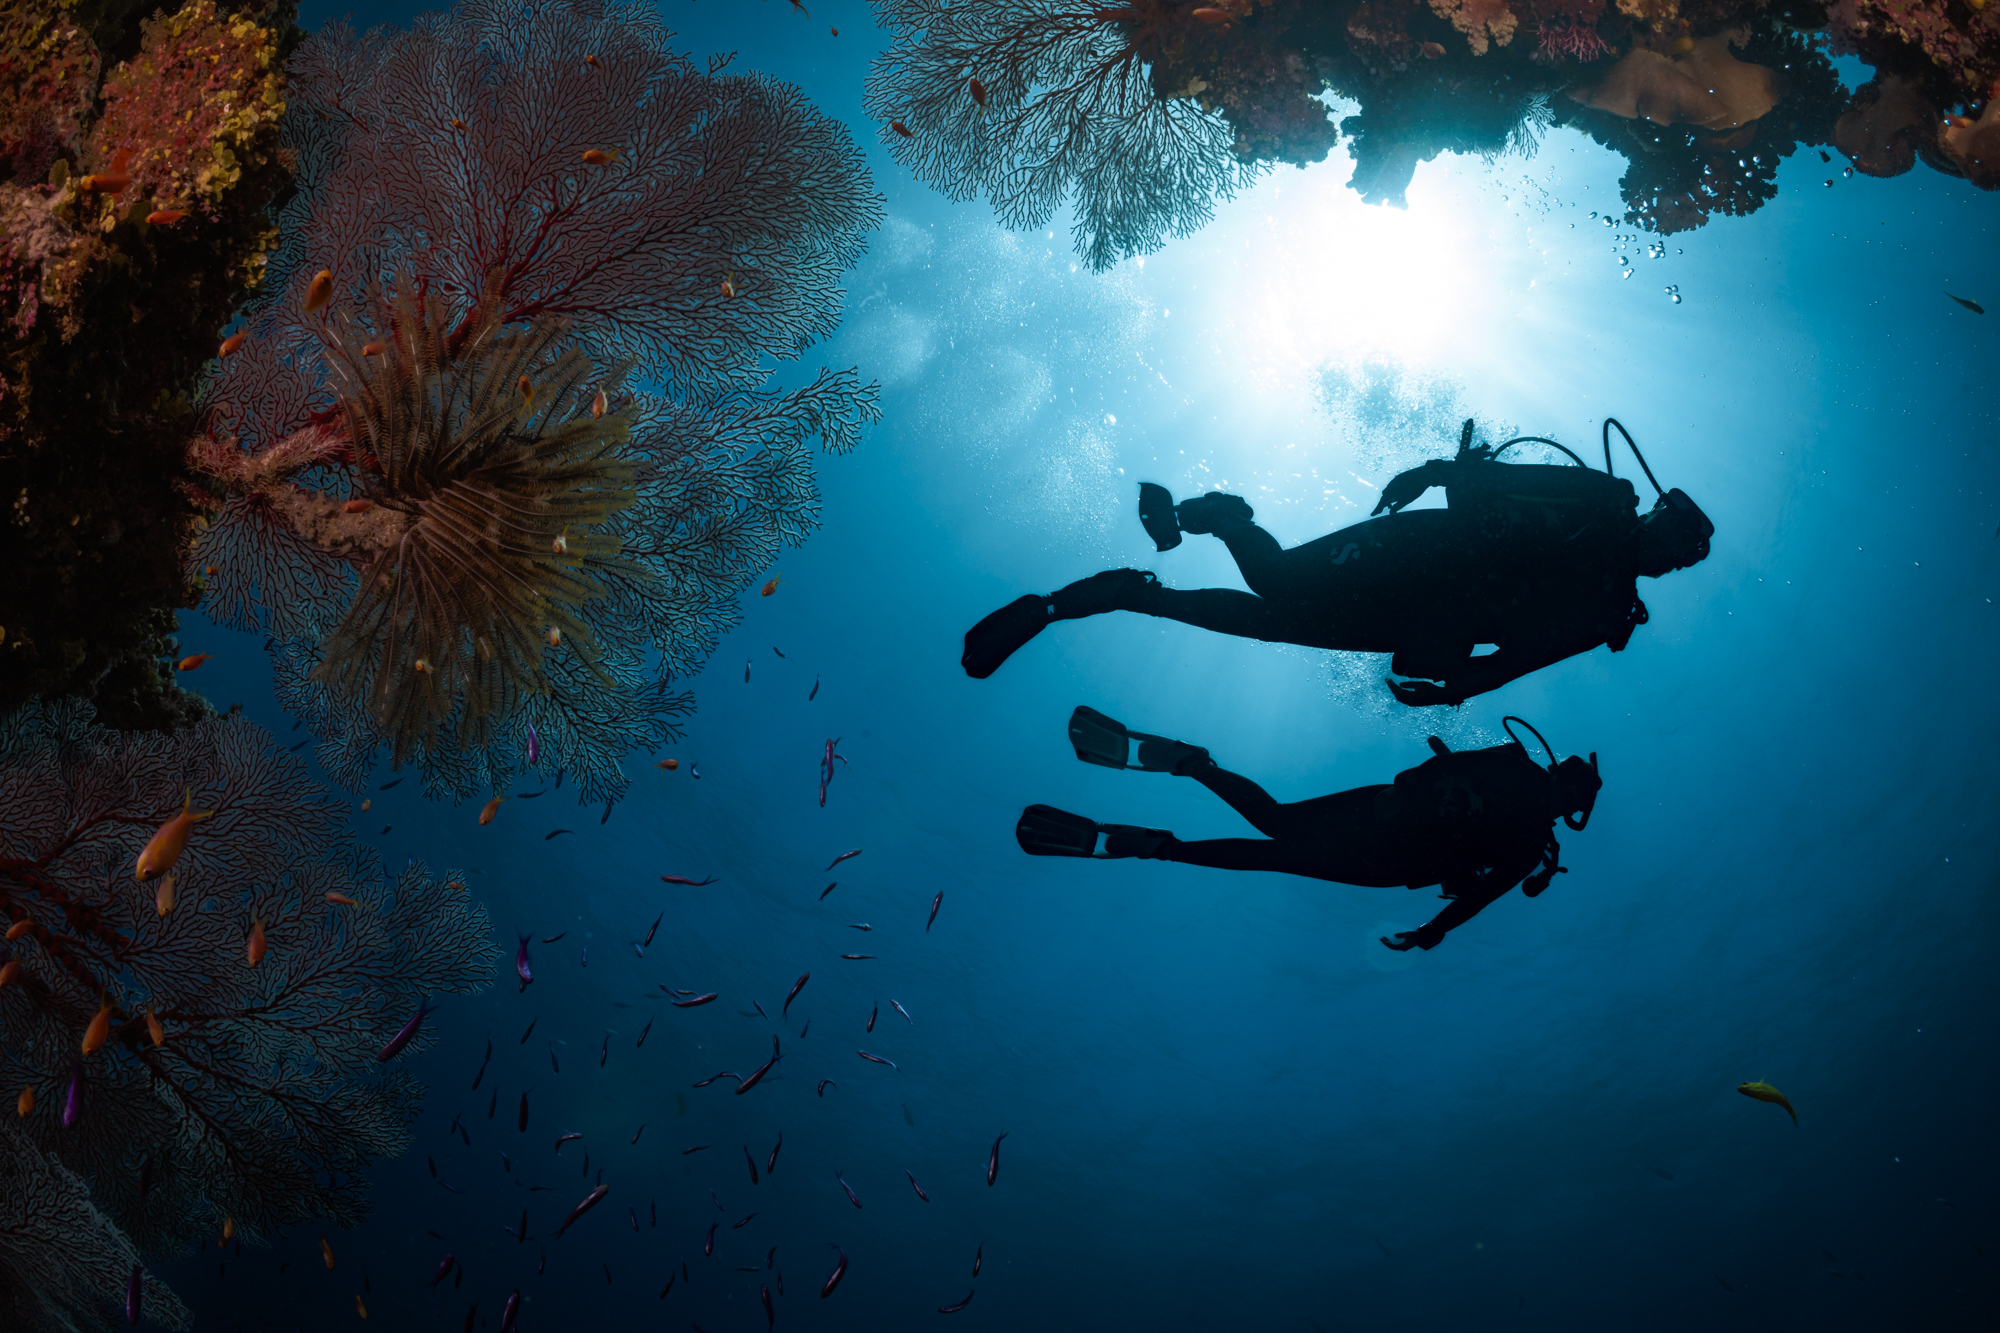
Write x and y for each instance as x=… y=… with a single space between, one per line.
x=1226 y=1106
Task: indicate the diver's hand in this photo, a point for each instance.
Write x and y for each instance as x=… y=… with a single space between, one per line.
x=1408 y=487
x=1405 y=941
x=1420 y=693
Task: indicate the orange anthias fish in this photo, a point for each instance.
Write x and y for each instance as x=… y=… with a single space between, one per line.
x=1433 y=51
x=232 y=342
x=321 y=290
x=598 y=405
x=978 y=91
x=422 y=666
x=154 y=1027
x=1209 y=15
x=772 y=586
x=166 y=846
x=592 y=62
x=253 y=948
x=228 y=1227
x=9 y=970
x=492 y=809
x=25 y=1103
x=561 y=544
x=597 y=157
x=165 y=217
x=341 y=898
x=372 y=349
x=555 y=637
x=729 y=285
x=20 y=928
x=360 y=1306
x=669 y=764
x=99 y=1029
x=326 y=1253
x=357 y=506
x=114 y=180
x=163 y=901
x=902 y=129
x=190 y=663
x=527 y=392
x=459 y=125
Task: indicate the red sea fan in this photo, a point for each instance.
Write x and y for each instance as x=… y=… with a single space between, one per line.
x=266 y=1100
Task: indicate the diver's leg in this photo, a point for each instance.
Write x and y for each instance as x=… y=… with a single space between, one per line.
x=1245 y=615
x=1285 y=857
x=1000 y=635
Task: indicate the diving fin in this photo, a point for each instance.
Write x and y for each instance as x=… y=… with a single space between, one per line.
x=1102 y=740
x=1156 y=513
x=1044 y=830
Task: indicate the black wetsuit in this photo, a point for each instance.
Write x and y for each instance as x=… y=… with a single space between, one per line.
x=1536 y=560
x=1477 y=822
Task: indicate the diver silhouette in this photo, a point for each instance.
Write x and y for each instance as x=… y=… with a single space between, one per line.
x=1476 y=822
x=1538 y=560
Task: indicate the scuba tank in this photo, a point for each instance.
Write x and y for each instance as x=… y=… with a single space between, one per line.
x=1555 y=500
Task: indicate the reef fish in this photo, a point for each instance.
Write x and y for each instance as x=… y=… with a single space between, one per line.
x=133 y=1286
x=1764 y=1092
x=73 y=1104
x=524 y=967
x=699 y=999
x=993 y=1162
x=772 y=1165
x=444 y=1270
x=866 y=1055
x=590 y=1201
x=797 y=986
x=954 y=1309
x=761 y=1070
x=190 y=663
x=839 y=1272
x=904 y=1012
x=826 y=772
x=512 y=1312
x=691 y=883
x=936 y=903
x=534 y=744
x=772 y=586
x=169 y=842
x=405 y=1035
x=1973 y=306
x=95 y=1035
x=844 y=856
x=647 y=942
x=256 y=944
x=915 y=1186
x=490 y=809
x=320 y=290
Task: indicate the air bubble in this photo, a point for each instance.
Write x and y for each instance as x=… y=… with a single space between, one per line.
x=1628 y=272
x=1848 y=173
x=1677 y=298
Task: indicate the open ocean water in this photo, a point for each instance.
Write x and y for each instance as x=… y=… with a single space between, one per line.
x=1225 y=1105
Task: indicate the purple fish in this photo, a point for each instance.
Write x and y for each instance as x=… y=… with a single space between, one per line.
x=839 y=1272
x=905 y=1013
x=993 y=1162
x=534 y=745
x=590 y=1201
x=567 y=1138
x=444 y=1270
x=915 y=1186
x=522 y=965
x=954 y=1309
x=797 y=986
x=404 y=1037
x=771 y=1166
x=133 y=1285
x=73 y=1107
x=851 y=1197
x=866 y=1055
x=844 y=856
x=511 y=1313
x=691 y=883
x=752 y=1163
x=763 y=1069
x=935 y=904
x=699 y=999
x=708 y=1246
x=770 y=1315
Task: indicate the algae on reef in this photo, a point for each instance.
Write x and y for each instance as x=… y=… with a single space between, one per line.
x=110 y=306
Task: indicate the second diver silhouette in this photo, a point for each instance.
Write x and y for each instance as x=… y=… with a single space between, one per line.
x=1538 y=560
x=1475 y=822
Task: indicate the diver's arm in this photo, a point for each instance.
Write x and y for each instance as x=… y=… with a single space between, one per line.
x=1406 y=488
x=1431 y=934
x=1477 y=675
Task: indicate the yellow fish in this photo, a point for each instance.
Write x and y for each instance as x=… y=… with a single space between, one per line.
x=100 y=1028
x=1764 y=1092
x=359 y=1307
x=166 y=847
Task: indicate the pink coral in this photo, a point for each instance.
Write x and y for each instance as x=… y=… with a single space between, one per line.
x=1568 y=39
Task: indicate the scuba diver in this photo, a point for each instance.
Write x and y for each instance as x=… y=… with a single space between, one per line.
x=1476 y=822
x=1538 y=560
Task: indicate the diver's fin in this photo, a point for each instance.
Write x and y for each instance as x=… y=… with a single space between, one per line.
x=1044 y=830
x=1129 y=840
x=1156 y=512
x=1438 y=747
x=1098 y=739
x=1102 y=740
x=996 y=638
